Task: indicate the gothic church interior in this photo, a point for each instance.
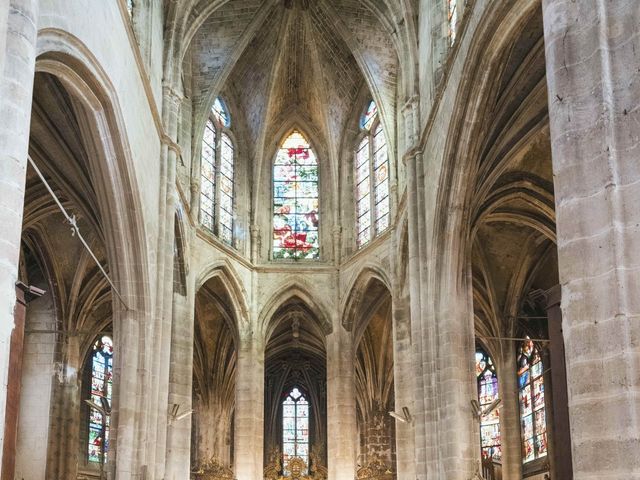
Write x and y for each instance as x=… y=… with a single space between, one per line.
x=319 y=239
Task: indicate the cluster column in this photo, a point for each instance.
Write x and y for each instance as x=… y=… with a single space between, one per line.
x=249 y=419
x=18 y=32
x=592 y=50
x=341 y=405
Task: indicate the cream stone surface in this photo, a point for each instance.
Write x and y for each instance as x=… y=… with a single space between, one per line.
x=512 y=139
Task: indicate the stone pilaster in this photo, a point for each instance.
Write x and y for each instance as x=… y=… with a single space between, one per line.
x=18 y=31
x=404 y=379
x=249 y=412
x=594 y=93
x=341 y=406
x=180 y=386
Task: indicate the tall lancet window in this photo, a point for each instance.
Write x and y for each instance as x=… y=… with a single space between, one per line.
x=295 y=427
x=487 y=395
x=99 y=400
x=533 y=421
x=371 y=178
x=295 y=201
x=217 y=174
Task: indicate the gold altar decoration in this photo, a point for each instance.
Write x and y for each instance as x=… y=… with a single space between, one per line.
x=375 y=470
x=274 y=466
x=296 y=467
x=213 y=470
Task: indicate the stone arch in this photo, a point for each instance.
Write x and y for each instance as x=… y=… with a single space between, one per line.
x=111 y=167
x=293 y=290
x=224 y=271
x=366 y=292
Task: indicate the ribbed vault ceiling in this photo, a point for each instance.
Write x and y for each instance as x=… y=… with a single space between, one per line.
x=293 y=59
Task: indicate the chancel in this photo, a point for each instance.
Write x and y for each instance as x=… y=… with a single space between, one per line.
x=319 y=239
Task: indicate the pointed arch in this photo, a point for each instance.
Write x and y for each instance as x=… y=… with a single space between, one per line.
x=293 y=290
x=233 y=287
x=368 y=291
x=119 y=199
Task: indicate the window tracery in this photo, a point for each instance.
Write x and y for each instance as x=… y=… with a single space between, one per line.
x=371 y=179
x=295 y=201
x=295 y=428
x=533 y=421
x=100 y=400
x=487 y=395
x=217 y=169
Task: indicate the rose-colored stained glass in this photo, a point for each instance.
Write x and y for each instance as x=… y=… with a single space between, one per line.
x=296 y=216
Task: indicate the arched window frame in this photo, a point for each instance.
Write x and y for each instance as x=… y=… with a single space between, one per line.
x=295 y=434
x=217 y=175
x=369 y=222
x=98 y=393
x=298 y=248
x=487 y=379
x=531 y=400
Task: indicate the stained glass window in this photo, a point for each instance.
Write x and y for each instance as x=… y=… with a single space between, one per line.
x=295 y=201
x=217 y=175
x=100 y=399
x=371 y=179
x=369 y=116
x=220 y=113
x=130 y=7
x=487 y=394
x=295 y=428
x=533 y=422
x=452 y=19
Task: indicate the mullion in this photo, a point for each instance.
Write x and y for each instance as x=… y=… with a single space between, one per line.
x=372 y=175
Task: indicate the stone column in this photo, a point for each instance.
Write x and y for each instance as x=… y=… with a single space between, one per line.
x=404 y=379
x=249 y=412
x=510 y=436
x=341 y=406
x=594 y=93
x=178 y=458
x=18 y=33
x=561 y=430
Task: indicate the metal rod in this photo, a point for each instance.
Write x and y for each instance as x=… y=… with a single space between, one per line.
x=516 y=339
x=76 y=230
x=69 y=333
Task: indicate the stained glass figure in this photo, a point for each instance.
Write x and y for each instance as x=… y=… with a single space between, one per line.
x=295 y=201
x=487 y=394
x=295 y=428
x=371 y=179
x=452 y=20
x=217 y=175
x=532 y=405
x=100 y=396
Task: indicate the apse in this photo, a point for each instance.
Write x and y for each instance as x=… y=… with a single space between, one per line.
x=295 y=389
